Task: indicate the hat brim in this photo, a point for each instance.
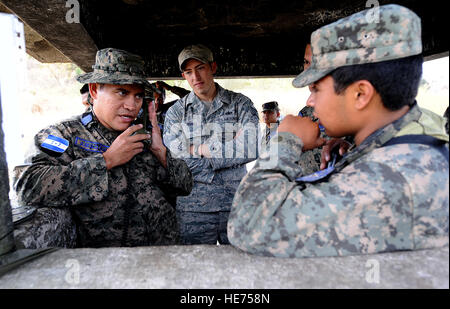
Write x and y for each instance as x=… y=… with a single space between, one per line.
x=202 y=60
x=112 y=78
x=309 y=76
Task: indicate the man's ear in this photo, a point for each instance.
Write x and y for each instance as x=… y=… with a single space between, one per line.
x=93 y=90
x=362 y=93
x=214 y=67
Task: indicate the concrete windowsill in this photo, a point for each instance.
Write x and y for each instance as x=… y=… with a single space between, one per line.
x=225 y=267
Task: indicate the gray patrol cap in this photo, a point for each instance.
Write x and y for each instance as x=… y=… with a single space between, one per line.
x=199 y=52
x=379 y=34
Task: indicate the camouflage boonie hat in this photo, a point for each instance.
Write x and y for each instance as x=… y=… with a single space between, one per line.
x=117 y=67
x=199 y=52
x=375 y=35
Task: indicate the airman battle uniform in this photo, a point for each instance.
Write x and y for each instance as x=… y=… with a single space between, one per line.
x=215 y=179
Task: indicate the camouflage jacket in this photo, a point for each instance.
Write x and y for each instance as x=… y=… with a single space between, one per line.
x=129 y=205
x=380 y=199
x=229 y=128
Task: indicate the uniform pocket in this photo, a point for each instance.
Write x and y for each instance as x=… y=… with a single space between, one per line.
x=95 y=212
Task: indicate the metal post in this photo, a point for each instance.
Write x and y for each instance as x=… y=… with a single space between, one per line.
x=12 y=66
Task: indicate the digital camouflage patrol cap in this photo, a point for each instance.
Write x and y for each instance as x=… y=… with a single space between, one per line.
x=379 y=34
x=199 y=52
x=117 y=67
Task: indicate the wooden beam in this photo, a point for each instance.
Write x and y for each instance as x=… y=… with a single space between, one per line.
x=48 y=19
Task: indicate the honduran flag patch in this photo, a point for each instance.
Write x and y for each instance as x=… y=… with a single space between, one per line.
x=55 y=143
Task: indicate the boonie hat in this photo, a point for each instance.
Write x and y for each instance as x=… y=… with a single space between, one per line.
x=199 y=52
x=117 y=67
x=270 y=106
x=379 y=34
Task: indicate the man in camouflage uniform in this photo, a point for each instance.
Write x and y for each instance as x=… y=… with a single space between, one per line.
x=311 y=159
x=160 y=97
x=120 y=192
x=271 y=113
x=215 y=131
x=391 y=191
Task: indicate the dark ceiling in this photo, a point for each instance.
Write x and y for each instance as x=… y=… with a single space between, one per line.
x=248 y=37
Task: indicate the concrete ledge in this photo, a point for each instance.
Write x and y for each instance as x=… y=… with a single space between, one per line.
x=225 y=267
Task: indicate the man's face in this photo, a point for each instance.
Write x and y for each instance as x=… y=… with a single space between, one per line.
x=117 y=106
x=308 y=57
x=330 y=108
x=200 y=76
x=270 y=116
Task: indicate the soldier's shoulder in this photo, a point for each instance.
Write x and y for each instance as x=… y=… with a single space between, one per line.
x=61 y=128
x=399 y=158
x=236 y=97
x=177 y=107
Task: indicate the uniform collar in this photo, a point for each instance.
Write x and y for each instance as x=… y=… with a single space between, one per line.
x=222 y=97
x=381 y=136
x=90 y=121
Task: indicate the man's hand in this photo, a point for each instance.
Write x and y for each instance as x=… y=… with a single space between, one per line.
x=157 y=146
x=124 y=147
x=203 y=151
x=307 y=130
x=329 y=146
x=163 y=85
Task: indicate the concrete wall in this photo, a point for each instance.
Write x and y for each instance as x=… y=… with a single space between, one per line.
x=225 y=267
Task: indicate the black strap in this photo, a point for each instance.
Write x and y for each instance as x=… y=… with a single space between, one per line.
x=421 y=139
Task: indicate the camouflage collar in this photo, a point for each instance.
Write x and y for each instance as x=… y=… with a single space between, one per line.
x=90 y=121
x=221 y=97
x=380 y=137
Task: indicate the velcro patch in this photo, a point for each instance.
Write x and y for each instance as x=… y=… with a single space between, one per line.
x=55 y=143
x=316 y=176
x=90 y=146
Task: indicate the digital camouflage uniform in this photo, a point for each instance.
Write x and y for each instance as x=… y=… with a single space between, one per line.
x=129 y=205
x=215 y=179
x=378 y=199
x=269 y=131
x=163 y=108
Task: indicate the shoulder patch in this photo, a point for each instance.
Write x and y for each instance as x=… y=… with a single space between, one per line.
x=55 y=143
x=86 y=119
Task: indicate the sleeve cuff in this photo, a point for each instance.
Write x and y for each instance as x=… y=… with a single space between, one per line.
x=283 y=154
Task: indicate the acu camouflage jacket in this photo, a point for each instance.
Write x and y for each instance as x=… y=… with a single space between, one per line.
x=380 y=199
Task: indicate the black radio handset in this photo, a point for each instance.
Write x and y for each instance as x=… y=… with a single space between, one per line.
x=142 y=118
